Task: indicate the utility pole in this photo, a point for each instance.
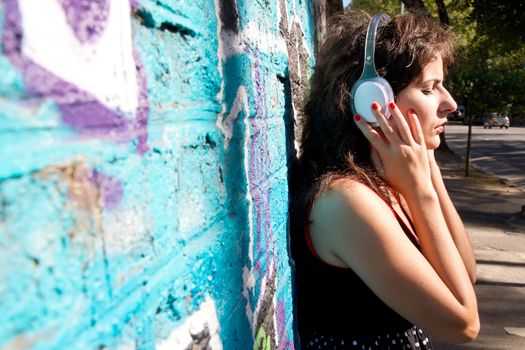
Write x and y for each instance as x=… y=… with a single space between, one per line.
x=469 y=137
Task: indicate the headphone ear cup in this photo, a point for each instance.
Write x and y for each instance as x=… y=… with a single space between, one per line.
x=366 y=92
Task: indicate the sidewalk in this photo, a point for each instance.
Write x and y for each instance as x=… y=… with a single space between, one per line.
x=491 y=212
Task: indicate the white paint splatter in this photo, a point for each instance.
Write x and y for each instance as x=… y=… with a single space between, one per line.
x=265 y=42
x=123 y=229
x=249 y=197
x=105 y=69
x=248 y=284
x=169 y=133
x=205 y=317
x=191 y=218
x=231 y=43
x=226 y=124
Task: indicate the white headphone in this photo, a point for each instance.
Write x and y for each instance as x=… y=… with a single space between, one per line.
x=370 y=86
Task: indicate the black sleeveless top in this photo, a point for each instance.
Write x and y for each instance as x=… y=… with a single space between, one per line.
x=335 y=302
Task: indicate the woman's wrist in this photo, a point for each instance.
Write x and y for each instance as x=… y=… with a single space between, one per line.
x=422 y=193
x=435 y=175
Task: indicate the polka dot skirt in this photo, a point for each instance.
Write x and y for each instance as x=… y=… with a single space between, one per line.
x=414 y=338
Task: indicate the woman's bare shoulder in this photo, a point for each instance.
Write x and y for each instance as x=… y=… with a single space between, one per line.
x=346 y=202
x=344 y=210
x=347 y=193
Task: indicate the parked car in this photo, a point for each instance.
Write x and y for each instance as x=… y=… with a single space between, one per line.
x=497 y=120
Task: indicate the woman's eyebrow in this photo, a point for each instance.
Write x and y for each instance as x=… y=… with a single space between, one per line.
x=433 y=80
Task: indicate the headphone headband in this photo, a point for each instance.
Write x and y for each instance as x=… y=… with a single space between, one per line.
x=369 y=67
x=370 y=87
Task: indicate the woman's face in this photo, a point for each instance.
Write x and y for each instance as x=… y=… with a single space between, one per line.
x=430 y=101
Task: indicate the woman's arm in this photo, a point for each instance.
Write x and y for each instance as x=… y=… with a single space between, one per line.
x=453 y=220
x=431 y=287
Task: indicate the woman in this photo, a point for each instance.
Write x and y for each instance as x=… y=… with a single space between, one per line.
x=382 y=258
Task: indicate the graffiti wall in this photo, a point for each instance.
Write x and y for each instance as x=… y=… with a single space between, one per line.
x=144 y=152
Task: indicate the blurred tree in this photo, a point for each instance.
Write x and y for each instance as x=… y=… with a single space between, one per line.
x=442 y=11
x=490 y=69
x=501 y=22
x=323 y=10
x=390 y=7
x=416 y=6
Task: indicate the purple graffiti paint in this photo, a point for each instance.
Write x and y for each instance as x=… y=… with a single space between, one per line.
x=258 y=268
x=134 y=4
x=284 y=341
x=87 y=19
x=259 y=162
x=79 y=109
x=12 y=31
x=88 y=115
x=110 y=188
x=142 y=112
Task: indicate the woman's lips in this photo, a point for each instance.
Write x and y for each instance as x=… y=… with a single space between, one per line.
x=441 y=127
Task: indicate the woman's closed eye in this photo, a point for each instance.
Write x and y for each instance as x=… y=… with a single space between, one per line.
x=428 y=89
x=429 y=86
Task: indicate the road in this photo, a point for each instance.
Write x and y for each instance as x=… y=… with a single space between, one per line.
x=499 y=152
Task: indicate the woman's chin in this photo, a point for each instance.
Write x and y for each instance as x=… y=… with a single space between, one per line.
x=433 y=142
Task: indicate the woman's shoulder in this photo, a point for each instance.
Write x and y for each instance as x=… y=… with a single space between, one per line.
x=347 y=183
x=350 y=189
x=347 y=197
x=346 y=213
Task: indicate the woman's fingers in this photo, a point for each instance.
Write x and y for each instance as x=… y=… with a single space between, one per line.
x=400 y=122
x=417 y=132
x=371 y=135
x=385 y=126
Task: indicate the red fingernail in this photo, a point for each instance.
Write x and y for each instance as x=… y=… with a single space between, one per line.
x=375 y=106
x=357 y=117
x=392 y=105
x=412 y=111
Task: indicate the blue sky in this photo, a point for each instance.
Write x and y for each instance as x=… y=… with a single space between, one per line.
x=346 y=2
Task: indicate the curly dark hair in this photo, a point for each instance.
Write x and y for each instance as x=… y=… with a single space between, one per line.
x=332 y=146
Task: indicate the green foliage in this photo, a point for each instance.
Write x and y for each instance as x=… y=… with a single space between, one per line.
x=501 y=22
x=390 y=7
x=489 y=73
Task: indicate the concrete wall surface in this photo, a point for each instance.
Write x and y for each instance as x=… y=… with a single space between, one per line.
x=144 y=150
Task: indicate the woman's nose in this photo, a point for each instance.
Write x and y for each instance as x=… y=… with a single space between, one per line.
x=448 y=105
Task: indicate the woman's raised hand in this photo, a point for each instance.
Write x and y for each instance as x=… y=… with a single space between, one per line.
x=398 y=150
